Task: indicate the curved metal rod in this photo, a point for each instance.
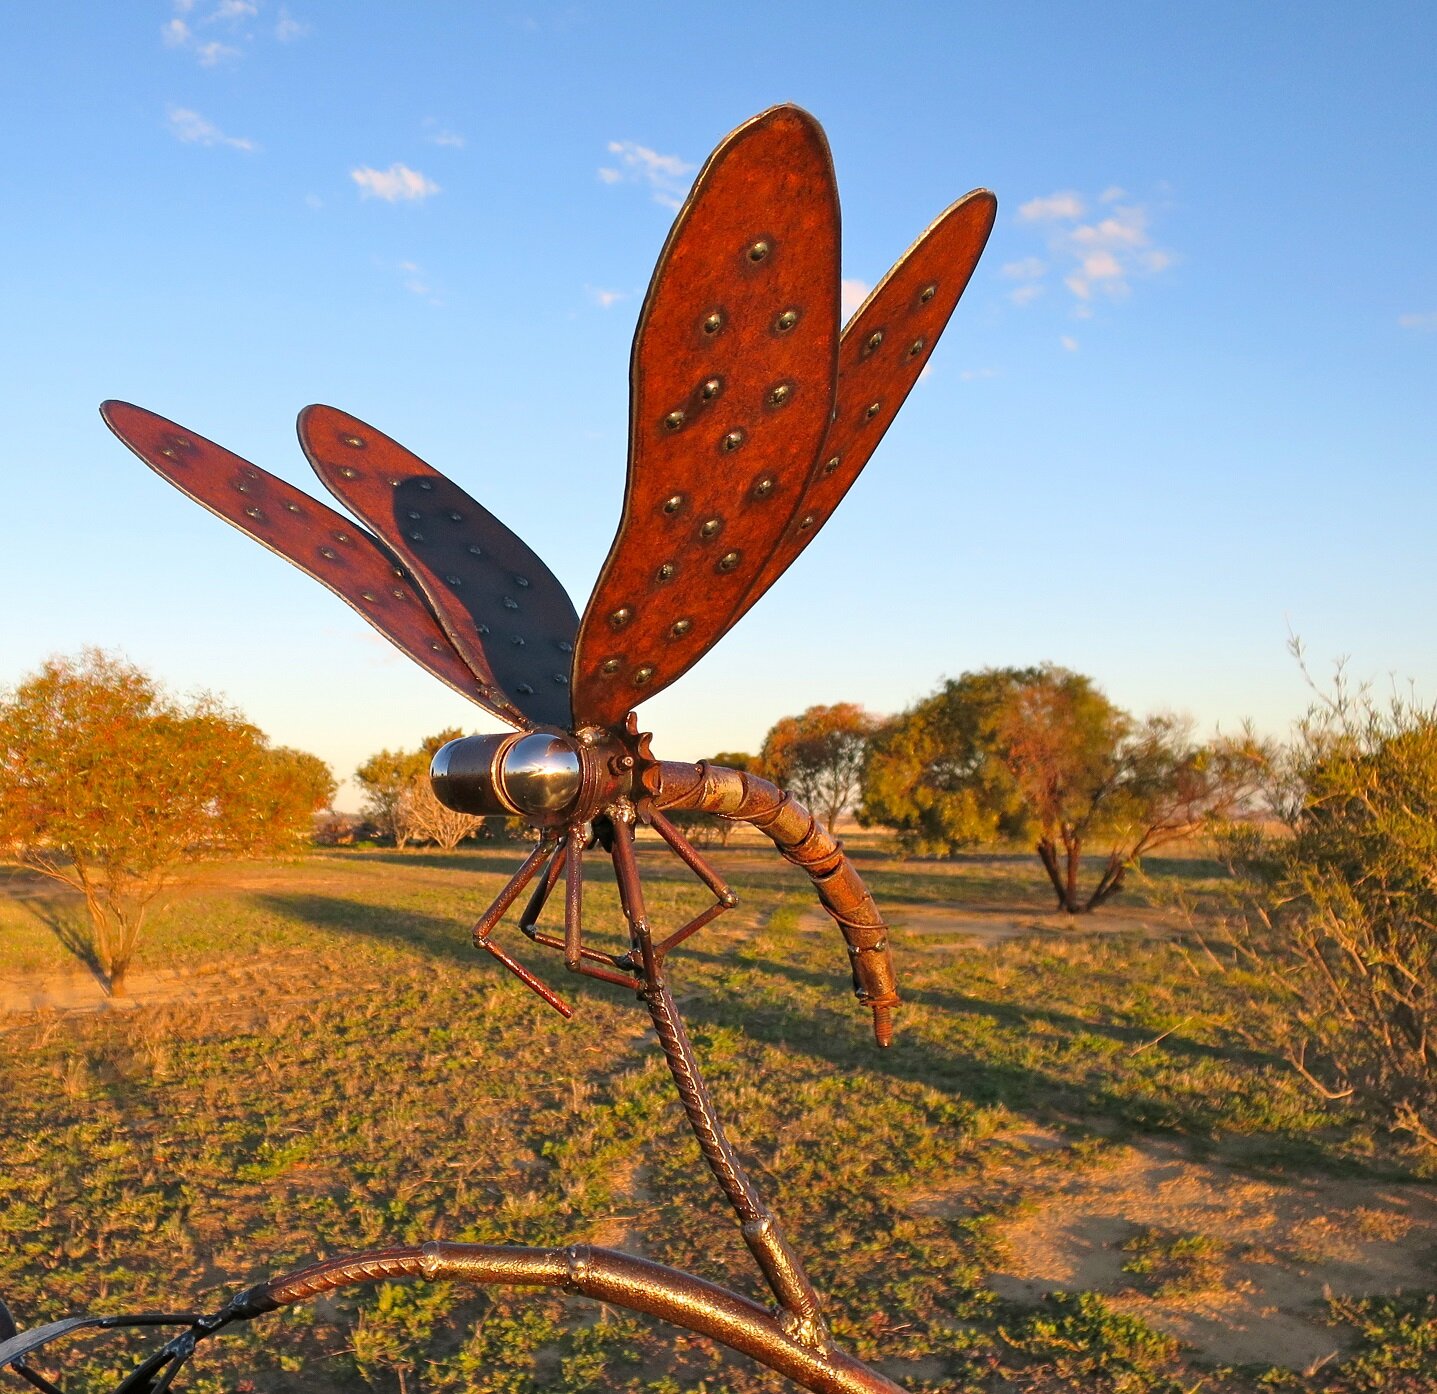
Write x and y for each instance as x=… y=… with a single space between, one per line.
x=607 y=1275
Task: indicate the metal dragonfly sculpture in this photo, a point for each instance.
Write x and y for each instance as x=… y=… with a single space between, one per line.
x=751 y=415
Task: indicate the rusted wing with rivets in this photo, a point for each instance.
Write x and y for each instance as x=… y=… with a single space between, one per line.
x=881 y=355
x=731 y=385
x=502 y=608
x=331 y=548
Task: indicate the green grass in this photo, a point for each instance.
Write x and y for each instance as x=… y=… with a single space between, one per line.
x=351 y=1073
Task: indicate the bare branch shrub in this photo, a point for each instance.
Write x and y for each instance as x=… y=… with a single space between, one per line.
x=1339 y=907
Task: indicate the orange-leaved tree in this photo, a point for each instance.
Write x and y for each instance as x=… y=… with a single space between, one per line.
x=818 y=756
x=113 y=786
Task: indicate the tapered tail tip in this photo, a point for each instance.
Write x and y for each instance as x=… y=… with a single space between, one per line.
x=883 y=1024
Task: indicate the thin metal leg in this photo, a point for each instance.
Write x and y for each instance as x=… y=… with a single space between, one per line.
x=487 y=922
x=574 y=897
x=687 y=853
x=542 y=891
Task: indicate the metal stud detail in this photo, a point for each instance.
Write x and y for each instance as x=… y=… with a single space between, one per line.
x=562 y=679
x=673 y=503
x=353 y=442
x=455 y=581
x=728 y=561
x=831 y=464
x=764 y=487
x=709 y=528
x=293 y=507
x=711 y=389
x=642 y=675
x=679 y=628
x=517 y=640
x=522 y=582
x=759 y=250
x=928 y=292
x=673 y=421
x=454 y=515
x=779 y=395
x=609 y=666
x=731 y=442
x=873 y=341
x=564 y=646
x=786 y=321
x=712 y=322
x=474 y=550
x=621 y=617
x=324 y=551
x=524 y=690
x=871 y=410
x=806 y=522
x=915 y=348
x=666 y=572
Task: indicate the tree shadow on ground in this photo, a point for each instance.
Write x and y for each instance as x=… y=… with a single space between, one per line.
x=69 y=923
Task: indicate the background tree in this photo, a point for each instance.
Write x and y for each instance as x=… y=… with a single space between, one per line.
x=931 y=773
x=1041 y=753
x=400 y=801
x=112 y=786
x=818 y=756
x=384 y=777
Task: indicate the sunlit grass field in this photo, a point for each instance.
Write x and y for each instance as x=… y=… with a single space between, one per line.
x=327 y=1065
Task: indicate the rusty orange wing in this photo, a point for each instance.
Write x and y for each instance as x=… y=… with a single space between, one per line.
x=883 y=351
x=731 y=391
x=328 y=546
x=503 y=610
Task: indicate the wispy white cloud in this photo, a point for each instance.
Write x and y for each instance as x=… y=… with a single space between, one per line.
x=176 y=33
x=397 y=184
x=1098 y=257
x=192 y=128
x=1066 y=205
x=1419 y=322
x=605 y=299
x=233 y=11
x=288 y=29
x=852 y=294
x=1028 y=269
x=1069 y=343
x=665 y=175
x=439 y=134
x=977 y=374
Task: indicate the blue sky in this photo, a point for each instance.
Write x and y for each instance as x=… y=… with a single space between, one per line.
x=1186 y=407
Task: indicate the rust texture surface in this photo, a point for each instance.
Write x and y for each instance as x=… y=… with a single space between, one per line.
x=731 y=386
x=503 y=609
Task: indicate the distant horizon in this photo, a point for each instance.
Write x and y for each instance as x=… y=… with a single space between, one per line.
x=1185 y=409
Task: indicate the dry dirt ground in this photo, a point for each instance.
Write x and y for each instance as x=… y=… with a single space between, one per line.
x=1274 y=1251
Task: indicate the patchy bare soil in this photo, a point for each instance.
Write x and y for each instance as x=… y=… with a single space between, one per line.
x=1273 y=1251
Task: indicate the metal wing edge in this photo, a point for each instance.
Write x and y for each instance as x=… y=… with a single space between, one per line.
x=112 y=407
